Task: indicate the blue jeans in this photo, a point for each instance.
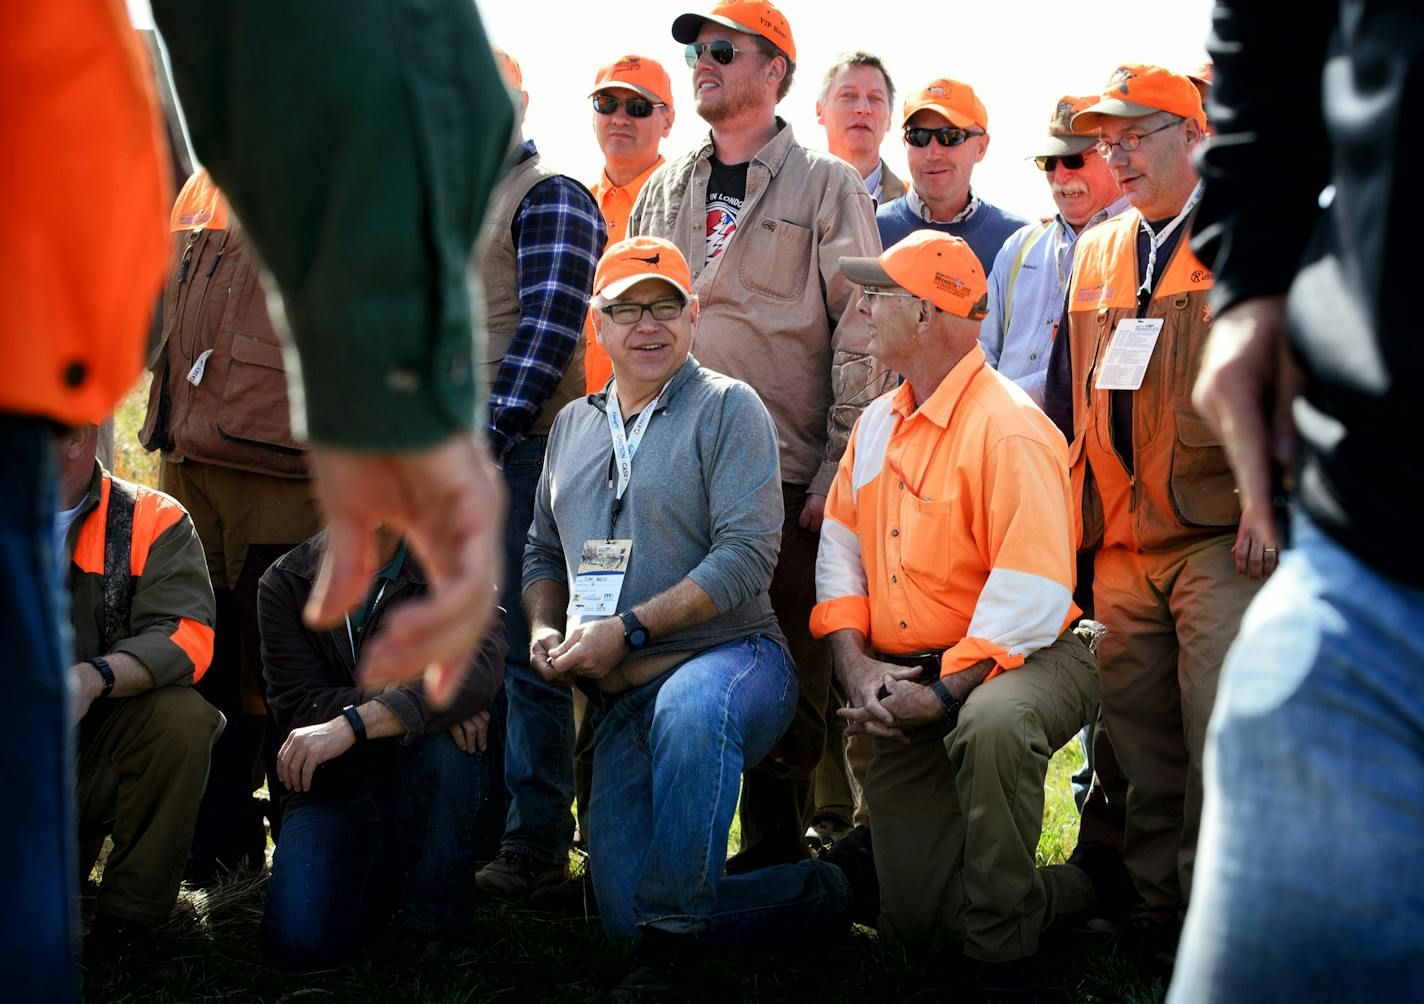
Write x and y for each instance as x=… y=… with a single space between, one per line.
x=667 y=763
x=1310 y=874
x=346 y=864
x=539 y=740
x=37 y=764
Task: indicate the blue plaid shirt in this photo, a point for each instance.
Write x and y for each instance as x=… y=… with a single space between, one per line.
x=559 y=236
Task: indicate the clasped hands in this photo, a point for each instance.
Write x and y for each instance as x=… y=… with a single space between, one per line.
x=883 y=699
x=593 y=649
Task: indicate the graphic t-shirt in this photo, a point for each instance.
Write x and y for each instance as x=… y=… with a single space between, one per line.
x=726 y=188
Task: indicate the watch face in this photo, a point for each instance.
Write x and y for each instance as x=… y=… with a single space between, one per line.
x=637 y=638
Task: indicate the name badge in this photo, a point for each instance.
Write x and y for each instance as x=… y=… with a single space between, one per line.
x=603 y=564
x=1125 y=362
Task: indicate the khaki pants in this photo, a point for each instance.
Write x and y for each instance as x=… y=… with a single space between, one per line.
x=143 y=761
x=838 y=786
x=955 y=815
x=1170 y=618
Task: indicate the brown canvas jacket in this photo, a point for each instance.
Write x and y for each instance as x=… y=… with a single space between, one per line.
x=237 y=413
x=776 y=312
x=1181 y=488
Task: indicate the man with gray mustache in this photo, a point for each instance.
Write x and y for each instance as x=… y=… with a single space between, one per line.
x=1029 y=276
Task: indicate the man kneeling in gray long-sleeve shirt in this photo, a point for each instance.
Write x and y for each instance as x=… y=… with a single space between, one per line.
x=656 y=526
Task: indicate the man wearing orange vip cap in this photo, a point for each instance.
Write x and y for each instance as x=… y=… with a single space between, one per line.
x=1174 y=568
x=632 y=115
x=655 y=602
x=762 y=221
x=946 y=132
x=945 y=585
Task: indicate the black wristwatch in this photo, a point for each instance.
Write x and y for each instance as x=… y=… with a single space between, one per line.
x=633 y=631
x=102 y=665
x=951 y=703
x=357 y=723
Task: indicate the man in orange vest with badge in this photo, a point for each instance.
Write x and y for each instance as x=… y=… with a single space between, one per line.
x=1174 y=569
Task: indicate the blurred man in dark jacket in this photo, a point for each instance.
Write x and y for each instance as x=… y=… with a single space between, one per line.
x=383 y=789
x=1309 y=882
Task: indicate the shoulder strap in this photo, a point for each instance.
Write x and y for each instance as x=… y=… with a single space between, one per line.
x=118 y=562
x=1016 y=268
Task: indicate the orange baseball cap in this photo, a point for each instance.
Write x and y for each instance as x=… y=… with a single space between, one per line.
x=932 y=264
x=1138 y=89
x=1062 y=139
x=755 y=17
x=953 y=99
x=509 y=68
x=636 y=73
x=637 y=258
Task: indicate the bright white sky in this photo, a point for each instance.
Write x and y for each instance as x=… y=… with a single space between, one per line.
x=1019 y=55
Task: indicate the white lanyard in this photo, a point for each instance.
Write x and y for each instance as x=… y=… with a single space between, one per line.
x=1155 y=241
x=351 y=637
x=624 y=446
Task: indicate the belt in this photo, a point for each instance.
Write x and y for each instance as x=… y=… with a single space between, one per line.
x=930 y=661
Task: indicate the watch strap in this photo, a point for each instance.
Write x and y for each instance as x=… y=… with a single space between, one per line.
x=632 y=629
x=951 y=703
x=357 y=723
x=106 y=671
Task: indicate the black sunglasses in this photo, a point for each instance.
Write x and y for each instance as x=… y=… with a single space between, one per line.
x=636 y=107
x=1071 y=161
x=947 y=135
x=721 y=51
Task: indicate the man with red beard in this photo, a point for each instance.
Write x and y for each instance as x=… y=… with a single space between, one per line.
x=763 y=222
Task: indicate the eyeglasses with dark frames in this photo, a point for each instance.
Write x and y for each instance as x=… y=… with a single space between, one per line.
x=631 y=313
x=944 y=135
x=637 y=107
x=1070 y=161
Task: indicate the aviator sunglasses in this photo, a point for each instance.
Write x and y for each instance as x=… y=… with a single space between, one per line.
x=946 y=135
x=1070 y=161
x=636 y=107
x=721 y=51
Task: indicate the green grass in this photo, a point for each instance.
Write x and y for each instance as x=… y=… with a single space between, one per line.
x=524 y=956
x=131 y=461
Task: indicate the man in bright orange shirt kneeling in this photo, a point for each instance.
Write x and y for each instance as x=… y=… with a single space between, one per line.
x=944 y=582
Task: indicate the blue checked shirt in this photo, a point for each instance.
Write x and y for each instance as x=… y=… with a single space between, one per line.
x=559 y=235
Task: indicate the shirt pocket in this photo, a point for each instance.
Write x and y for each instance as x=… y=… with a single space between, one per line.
x=924 y=552
x=776 y=259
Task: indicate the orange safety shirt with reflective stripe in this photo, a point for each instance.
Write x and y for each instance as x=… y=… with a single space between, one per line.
x=615 y=202
x=949 y=527
x=83 y=193
x=172 y=612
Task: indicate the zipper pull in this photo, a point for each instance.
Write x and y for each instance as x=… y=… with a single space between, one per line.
x=187 y=260
x=1131 y=492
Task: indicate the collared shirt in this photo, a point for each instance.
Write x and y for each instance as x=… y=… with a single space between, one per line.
x=616 y=201
x=558 y=238
x=949 y=526
x=1017 y=336
x=920 y=208
x=873 y=181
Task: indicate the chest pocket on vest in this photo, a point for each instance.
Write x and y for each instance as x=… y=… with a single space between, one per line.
x=775 y=258
x=1203 y=489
